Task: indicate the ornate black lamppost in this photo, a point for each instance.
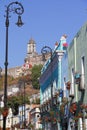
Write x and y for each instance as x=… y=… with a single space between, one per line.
x=44 y=51
x=17 y=8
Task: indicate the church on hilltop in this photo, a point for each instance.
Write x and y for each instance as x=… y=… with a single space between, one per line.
x=32 y=58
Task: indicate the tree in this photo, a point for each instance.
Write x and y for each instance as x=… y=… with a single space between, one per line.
x=36 y=72
x=15 y=101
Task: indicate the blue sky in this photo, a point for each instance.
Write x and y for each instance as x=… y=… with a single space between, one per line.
x=45 y=21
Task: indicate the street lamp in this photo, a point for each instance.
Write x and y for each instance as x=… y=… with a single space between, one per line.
x=44 y=51
x=19 y=11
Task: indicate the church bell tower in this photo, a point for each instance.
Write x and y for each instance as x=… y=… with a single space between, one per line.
x=31 y=48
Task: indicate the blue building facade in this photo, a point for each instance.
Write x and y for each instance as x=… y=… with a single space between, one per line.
x=51 y=89
x=64 y=85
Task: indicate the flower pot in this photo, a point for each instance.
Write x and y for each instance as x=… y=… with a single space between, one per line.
x=80 y=115
x=76 y=118
x=51 y=113
x=71 y=110
x=65 y=100
x=5 y=112
x=54 y=121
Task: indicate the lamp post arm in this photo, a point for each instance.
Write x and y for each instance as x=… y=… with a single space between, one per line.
x=44 y=51
x=46 y=47
x=18 y=10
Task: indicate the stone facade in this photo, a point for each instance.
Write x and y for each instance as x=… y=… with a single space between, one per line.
x=32 y=56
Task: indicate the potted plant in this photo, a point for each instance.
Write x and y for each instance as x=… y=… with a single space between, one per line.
x=76 y=118
x=73 y=107
x=57 y=94
x=51 y=112
x=54 y=120
x=4 y=112
x=65 y=100
x=62 y=106
x=83 y=106
x=46 y=118
x=80 y=115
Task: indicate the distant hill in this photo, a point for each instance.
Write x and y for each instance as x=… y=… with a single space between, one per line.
x=29 y=90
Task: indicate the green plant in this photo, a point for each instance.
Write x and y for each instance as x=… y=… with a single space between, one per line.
x=65 y=100
x=51 y=113
x=37 y=100
x=15 y=101
x=62 y=107
x=36 y=72
x=31 y=126
x=76 y=118
x=80 y=115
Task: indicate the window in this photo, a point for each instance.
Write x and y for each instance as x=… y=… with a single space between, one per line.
x=72 y=83
x=54 y=87
x=83 y=73
x=8 y=120
x=64 y=87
